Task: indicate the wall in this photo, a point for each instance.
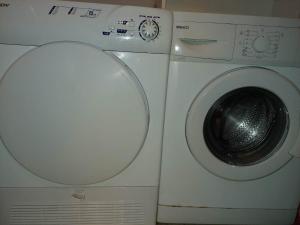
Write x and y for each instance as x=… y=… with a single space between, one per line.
x=286 y=8
x=247 y=7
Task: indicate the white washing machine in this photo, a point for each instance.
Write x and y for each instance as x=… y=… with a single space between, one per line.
x=82 y=95
x=231 y=141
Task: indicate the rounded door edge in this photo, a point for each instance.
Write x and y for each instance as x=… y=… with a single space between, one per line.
x=84 y=94
x=224 y=83
x=295 y=150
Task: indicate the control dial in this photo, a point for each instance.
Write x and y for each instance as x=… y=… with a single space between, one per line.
x=261 y=43
x=149 y=30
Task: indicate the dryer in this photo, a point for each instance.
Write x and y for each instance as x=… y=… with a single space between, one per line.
x=231 y=141
x=82 y=96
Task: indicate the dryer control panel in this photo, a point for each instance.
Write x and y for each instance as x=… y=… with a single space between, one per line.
x=111 y=27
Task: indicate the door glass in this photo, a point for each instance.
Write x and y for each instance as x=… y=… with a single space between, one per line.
x=245 y=126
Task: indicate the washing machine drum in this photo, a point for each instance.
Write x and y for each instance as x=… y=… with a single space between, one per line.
x=72 y=114
x=244 y=126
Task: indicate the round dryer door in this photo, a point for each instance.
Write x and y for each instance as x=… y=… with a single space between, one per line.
x=243 y=125
x=72 y=114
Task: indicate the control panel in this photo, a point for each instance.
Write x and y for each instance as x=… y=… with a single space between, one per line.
x=111 y=27
x=147 y=27
x=259 y=41
x=259 y=44
x=237 y=39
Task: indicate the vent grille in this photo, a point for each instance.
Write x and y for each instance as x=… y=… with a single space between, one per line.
x=78 y=214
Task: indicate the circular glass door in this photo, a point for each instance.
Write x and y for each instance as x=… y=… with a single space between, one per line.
x=238 y=127
x=246 y=126
x=72 y=114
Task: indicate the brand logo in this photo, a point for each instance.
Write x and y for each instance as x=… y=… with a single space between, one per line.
x=4 y=4
x=184 y=27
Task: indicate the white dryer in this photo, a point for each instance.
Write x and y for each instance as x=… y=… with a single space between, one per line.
x=232 y=140
x=82 y=96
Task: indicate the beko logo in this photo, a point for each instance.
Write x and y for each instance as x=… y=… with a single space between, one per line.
x=4 y=4
x=185 y=27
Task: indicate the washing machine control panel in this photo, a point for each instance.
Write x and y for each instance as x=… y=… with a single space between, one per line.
x=267 y=43
x=250 y=40
x=259 y=41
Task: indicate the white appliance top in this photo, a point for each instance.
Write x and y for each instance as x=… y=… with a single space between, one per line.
x=235 y=38
x=110 y=27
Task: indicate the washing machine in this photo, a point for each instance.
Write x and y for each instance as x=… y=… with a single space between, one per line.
x=82 y=95
x=231 y=142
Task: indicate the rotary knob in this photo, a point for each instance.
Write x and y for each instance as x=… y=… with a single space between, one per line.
x=149 y=30
x=261 y=44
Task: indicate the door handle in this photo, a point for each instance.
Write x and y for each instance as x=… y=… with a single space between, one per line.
x=193 y=41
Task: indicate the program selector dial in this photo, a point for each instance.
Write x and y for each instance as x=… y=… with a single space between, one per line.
x=148 y=30
x=261 y=43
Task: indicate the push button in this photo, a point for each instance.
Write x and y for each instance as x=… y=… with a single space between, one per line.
x=121 y=31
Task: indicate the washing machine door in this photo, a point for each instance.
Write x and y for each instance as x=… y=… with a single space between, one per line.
x=72 y=114
x=245 y=124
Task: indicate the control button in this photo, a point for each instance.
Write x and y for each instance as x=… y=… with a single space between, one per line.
x=106 y=33
x=53 y=10
x=72 y=11
x=121 y=31
x=261 y=43
x=92 y=13
x=148 y=30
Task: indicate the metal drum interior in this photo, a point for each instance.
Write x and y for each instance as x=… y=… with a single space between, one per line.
x=246 y=126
